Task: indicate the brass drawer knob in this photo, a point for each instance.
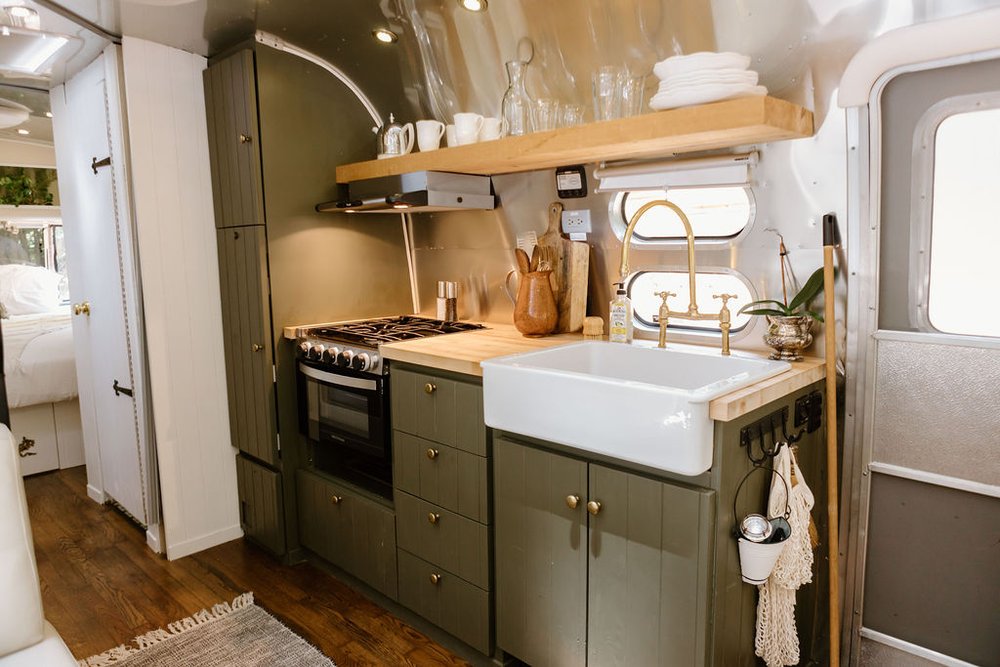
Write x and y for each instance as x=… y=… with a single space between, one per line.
x=594 y=507
x=430 y=388
x=432 y=453
x=436 y=578
x=433 y=517
x=336 y=500
x=257 y=347
x=572 y=501
x=244 y=138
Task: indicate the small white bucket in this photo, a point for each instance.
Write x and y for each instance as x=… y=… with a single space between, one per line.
x=757 y=559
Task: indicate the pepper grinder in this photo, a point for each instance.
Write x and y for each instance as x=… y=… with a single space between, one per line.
x=447 y=300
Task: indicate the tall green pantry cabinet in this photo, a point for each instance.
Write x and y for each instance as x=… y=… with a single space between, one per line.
x=278 y=127
x=234 y=145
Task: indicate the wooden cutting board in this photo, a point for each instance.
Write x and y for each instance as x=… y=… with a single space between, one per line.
x=570 y=262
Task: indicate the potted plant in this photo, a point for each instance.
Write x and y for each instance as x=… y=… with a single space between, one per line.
x=790 y=321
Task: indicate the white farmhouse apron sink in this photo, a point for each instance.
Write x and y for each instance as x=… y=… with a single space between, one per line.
x=633 y=402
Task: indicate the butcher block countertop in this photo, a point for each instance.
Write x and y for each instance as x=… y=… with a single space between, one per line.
x=462 y=352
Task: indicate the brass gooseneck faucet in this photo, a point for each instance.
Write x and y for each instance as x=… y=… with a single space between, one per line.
x=723 y=316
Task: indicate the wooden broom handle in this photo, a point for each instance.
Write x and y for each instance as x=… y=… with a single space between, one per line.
x=830 y=338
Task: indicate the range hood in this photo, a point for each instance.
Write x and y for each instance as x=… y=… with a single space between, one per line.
x=417 y=192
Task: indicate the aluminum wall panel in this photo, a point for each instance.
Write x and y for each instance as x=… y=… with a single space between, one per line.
x=936 y=409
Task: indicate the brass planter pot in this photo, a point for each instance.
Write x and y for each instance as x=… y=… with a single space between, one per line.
x=788 y=336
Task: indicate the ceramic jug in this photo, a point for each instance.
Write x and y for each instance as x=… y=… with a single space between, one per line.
x=535 y=312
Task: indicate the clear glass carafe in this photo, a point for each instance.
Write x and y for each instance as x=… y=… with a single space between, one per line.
x=517 y=106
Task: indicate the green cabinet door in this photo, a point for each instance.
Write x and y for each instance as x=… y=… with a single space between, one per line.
x=649 y=571
x=541 y=555
x=233 y=140
x=259 y=491
x=246 y=323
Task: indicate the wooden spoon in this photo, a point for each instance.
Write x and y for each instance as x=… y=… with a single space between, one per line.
x=536 y=255
x=522 y=260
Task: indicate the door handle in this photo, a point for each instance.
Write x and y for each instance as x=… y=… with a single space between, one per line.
x=82 y=308
x=24 y=446
x=95 y=164
x=119 y=390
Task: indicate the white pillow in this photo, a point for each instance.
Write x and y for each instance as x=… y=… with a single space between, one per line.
x=25 y=290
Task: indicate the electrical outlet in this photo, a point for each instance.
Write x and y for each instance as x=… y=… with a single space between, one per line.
x=576 y=222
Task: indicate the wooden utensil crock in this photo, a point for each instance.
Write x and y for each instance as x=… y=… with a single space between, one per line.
x=535 y=312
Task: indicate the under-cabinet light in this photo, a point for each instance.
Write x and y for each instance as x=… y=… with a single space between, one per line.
x=401 y=206
x=48 y=114
x=385 y=35
x=23 y=131
x=474 y=5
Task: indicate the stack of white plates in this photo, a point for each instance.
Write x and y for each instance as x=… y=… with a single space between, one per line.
x=703 y=77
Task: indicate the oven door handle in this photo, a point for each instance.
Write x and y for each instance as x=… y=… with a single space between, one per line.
x=338 y=380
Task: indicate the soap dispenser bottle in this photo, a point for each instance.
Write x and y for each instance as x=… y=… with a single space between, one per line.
x=620 y=326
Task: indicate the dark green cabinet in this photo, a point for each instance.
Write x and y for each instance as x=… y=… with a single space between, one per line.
x=355 y=533
x=234 y=140
x=598 y=566
x=249 y=353
x=541 y=554
x=259 y=491
x=441 y=489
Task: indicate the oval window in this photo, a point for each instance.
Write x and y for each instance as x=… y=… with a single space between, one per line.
x=715 y=213
x=644 y=285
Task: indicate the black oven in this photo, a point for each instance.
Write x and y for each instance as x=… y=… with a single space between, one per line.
x=345 y=416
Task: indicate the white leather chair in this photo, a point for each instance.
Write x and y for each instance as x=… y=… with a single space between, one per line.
x=26 y=638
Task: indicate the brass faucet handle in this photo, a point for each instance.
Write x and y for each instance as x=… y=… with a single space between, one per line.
x=665 y=296
x=725 y=298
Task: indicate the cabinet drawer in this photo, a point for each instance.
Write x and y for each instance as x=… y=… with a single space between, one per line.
x=439 y=409
x=452 y=604
x=351 y=531
x=453 y=542
x=440 y=474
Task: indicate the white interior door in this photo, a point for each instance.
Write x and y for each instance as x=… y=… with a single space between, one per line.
x=98 y=259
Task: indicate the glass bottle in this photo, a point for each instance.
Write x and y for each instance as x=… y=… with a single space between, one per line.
x=516 y=107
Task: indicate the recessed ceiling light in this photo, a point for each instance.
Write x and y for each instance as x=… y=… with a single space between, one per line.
x=22 y=17
x=474 y=5
x=385 y=35
x=23 y=131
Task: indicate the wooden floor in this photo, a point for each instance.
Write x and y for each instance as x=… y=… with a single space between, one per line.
x=101 y=585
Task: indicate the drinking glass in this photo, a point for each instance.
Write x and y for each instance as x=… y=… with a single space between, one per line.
x=572 y=114
x=546 y=114
x=630 y=90
x=607 y=97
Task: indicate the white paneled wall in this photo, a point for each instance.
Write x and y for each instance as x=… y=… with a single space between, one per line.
x=180 y=285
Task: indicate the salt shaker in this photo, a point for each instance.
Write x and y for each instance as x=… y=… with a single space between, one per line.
x=447 y=300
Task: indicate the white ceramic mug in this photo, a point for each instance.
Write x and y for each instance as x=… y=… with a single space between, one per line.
x=429 y=133
x=467 y=127
x=491 y=129
x=450 y=136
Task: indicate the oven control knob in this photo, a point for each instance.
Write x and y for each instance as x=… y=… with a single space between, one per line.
x=345 y=358
x=304 y=348
x=316 y=352
x=331 y=354
x=361 y=362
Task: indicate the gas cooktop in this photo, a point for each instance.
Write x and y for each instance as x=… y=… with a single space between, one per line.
x=354 y=344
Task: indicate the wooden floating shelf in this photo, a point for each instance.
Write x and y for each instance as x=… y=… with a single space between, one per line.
x=747 y=120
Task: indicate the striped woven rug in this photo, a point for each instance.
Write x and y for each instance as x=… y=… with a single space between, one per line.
x=240 y=634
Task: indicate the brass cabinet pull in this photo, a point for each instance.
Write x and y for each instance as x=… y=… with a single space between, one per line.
x=572 y=501
x=81 y=308
x=26 y=444
x=430 y=388
x=257 y=347
x=432 y=453
x=336 y=500
x=436 y=578
x=594 y=507
x=244 y=138
x=433 y=517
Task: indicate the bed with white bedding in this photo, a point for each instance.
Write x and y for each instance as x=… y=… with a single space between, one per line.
x=40 y=370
